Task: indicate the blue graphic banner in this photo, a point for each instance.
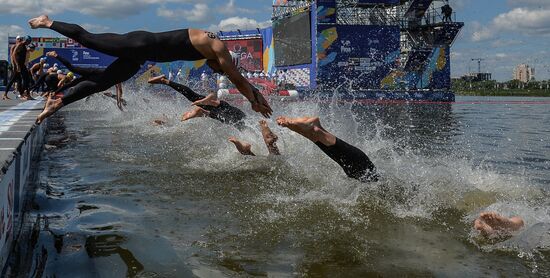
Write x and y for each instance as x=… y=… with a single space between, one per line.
x=358 y=55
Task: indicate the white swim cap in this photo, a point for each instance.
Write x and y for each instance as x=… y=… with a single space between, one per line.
x=18 y=38
x=55 y=65
x=59 y=72
x=235 y=59
x=42 y=59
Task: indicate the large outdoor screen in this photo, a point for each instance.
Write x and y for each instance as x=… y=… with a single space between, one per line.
x=292 y=37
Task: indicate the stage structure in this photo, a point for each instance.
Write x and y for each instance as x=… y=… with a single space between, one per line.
x=366 y=49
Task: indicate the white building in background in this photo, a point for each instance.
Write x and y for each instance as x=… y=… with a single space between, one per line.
x=524 y=73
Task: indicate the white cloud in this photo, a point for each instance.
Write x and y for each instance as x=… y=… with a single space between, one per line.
x=231 y=9
x=501 y=55
x=234 y=23
x=518 y=21
x=199 y=13
x=5 y=31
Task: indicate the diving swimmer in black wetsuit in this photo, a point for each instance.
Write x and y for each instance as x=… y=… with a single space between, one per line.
x=86 y=74
x=219 y=110
x=134 y=48
x=355 y=163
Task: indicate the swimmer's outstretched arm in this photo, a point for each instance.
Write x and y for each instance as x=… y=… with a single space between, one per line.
x=355 y=163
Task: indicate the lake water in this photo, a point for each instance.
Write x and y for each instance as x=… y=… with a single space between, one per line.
x=119 y=197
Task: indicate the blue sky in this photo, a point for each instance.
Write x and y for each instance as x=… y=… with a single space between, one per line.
x=504 y=32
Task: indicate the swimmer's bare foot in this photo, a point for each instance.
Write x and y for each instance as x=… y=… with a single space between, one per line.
x=270 y=138
x=5 y=97
x=51 y=107
x=243 y=147
x=161 y=79
x=42 y=21
x=210 y=100
x=309 y=127
x=196 y=112
x=492 y=223
x=52 y=54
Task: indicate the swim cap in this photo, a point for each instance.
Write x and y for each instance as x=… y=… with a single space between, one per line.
x=59 y=72
x=55 y=65
x=235 y=59
x=28 y=39
x=18 y=38
x=70 y=75
x=46 y=65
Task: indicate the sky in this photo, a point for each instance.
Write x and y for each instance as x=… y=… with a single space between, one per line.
x=503 y=32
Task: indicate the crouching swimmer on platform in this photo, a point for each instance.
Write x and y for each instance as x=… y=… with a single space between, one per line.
x=355 y=163
x=205 y=106
x=134 y=48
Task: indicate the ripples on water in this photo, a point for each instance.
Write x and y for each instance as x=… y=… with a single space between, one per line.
x=120 y=197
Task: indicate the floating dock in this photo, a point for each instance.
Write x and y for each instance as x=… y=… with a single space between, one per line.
x=21 y=142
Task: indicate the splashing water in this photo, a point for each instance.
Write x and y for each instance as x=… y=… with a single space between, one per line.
x=182 y=189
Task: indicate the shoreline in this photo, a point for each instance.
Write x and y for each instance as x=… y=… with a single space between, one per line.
x=503 y=94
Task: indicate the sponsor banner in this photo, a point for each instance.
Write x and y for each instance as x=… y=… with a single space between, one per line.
x=24 y=167
x=80 y=57
x=7 y=185
x=356 y=54
x=250 y=51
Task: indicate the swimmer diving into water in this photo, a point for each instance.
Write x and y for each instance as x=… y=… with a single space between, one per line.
x=355 y=163
x=134 y=48
x=215 y=109
x=85 y=73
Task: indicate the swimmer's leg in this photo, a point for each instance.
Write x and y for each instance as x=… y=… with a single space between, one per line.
x=134 y=45
x=355 y=163
x=182 y=89
x=270 y=138
x=243 y=147
x=119 y=71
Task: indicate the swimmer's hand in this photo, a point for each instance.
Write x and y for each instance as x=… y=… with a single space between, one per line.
x=209 y=100
x=260 y=104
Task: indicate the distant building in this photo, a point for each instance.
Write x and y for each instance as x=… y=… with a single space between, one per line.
x=476 y=77
x=524 y=73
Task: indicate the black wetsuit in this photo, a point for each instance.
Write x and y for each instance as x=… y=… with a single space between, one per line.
x=224 y=113
x=132 y=50
x=52 y=82
x=356 y=163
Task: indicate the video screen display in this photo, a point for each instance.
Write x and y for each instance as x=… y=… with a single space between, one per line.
x=292 y=38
